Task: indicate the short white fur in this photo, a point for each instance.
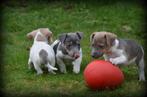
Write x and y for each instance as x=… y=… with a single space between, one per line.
x=35 y=58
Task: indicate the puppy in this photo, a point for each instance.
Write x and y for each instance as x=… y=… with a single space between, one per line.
x=67 y=47
x=117 y=51
x=41 y=52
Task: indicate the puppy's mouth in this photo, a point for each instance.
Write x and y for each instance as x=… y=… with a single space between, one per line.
x=76 y=56
x=99 y=53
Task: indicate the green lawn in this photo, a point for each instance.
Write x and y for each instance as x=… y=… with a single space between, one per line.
x=124 y=18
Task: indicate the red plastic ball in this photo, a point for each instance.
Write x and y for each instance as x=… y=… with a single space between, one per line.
x=100 y=74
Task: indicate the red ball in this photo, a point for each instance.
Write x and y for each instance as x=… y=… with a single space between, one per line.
x=100 y=74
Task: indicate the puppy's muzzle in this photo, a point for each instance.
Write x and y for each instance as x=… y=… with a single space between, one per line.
x=97 y=54
x=76 y=55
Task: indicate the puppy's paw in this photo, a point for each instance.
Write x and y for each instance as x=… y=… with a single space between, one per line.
x=142 y=78
x=114 y=61
x=63 y=71
x=76 y=71
x=39 y=72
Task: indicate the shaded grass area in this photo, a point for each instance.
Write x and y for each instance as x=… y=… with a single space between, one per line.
x=124 y=18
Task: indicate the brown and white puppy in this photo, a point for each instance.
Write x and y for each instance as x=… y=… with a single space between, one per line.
x=41 y=52
x=117 y=51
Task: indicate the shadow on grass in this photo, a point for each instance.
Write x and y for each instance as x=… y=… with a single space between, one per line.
x=68 y=3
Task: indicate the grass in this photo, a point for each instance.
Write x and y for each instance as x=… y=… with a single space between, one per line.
x=124 y=18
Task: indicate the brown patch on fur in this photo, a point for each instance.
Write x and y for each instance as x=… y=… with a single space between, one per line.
x=41 y=38
x=110 y=37
x=32 y=34
x=102 y=38
x=47 y=33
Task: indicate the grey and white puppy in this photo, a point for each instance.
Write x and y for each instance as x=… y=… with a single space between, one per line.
x=117 y=51
x=67 y=47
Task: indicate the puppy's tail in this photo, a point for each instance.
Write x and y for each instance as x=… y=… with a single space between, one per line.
x=43 y=55
x=51 y=67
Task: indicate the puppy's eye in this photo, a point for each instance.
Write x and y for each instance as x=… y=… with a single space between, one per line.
x=68 y=45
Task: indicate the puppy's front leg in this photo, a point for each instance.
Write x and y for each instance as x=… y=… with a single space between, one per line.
x=118 y=60
x=61 y=65
x=77 y=64
x=106 y=57
x=30 y=63
x=141 y=70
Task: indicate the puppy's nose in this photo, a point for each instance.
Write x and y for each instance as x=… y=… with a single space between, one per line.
x=96 y=54
x=76 y=56
x=93 y=56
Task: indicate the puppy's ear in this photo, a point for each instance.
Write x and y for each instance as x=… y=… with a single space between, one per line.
x=80 y=35
x=63 y=37
x=92 y=37
x=110 y=37
x=47 y=33
x=32 y=34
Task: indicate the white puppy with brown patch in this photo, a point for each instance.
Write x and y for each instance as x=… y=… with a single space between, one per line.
x=41 y=52
x=117 y=51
